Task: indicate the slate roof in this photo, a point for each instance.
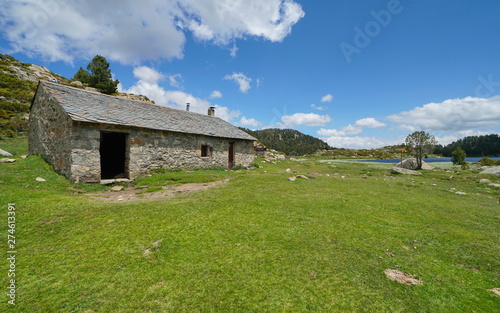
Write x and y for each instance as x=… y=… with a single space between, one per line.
x=92 y=107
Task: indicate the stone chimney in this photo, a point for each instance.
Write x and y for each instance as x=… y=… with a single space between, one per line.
x=211 y=111
x=187 y=106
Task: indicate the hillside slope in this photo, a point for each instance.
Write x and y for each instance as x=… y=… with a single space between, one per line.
x=18 y=82
x=289 y=141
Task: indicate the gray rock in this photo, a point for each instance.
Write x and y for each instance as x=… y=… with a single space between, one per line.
x=117 y=188
x=5 y=153
x=5 y=160
x=76 y=83
x=494 y=185
x=495 y=170
x=484 y=181
x=404 y=171
x=460 y=193
x=411 y=164
x=40 y=179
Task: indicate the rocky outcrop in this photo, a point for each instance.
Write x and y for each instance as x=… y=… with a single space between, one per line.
x=404 y=171
x=32 y=73
x=495 y=170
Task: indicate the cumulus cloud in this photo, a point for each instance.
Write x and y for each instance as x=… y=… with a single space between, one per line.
x=241 y=80
x=215 y=94
x=451 y=115
x=350 y=129
x=60 y=30
x=249 y=122
x=358 y=142
x=148 y=86
x=369 y=122
x=342 y=139
x=307 y=119
x=327 y=98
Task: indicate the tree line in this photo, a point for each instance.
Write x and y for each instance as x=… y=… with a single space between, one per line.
x=473 y=146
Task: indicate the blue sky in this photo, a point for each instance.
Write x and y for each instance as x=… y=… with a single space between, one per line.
x=357 y=74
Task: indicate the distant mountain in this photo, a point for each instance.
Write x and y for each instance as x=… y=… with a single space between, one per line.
x=289 y=141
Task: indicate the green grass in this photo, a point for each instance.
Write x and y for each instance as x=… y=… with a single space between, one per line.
x=259 y=243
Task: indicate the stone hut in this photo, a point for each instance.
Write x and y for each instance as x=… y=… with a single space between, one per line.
x=88 y=136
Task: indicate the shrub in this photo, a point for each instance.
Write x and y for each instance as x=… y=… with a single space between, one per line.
x=485 y=161
x=458 y=156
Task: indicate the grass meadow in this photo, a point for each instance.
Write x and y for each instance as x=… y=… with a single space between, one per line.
x=258 y=243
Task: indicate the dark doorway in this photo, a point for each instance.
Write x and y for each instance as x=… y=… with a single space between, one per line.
x=231 y=155
x=112 y=149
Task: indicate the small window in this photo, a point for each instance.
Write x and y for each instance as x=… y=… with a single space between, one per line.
x=205 y=151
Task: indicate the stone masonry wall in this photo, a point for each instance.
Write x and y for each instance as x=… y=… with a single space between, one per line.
x=50 y=132
x=156 y=149
x=149 y=149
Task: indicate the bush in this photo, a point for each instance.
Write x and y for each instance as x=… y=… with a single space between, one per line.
x=485 y=161
x=458 y=156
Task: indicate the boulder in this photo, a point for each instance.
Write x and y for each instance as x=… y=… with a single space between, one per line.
x=411 y=164
x=495 y=170
x=404 y=171
x=5 y=160
x=76 y=83
x=484 y=181
x=5 y=153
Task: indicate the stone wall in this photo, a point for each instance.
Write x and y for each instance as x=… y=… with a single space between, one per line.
x=50 y=132
x=156 y=149
x=149 y=149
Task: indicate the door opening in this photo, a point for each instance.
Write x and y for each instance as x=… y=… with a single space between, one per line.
x=113 y=150
x=231 y=156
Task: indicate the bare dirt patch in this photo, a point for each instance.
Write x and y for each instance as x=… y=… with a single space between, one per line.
x=496 y=291
x=402 y=277
x=130 y=194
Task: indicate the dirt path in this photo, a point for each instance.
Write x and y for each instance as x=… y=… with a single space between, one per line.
x=130 y=194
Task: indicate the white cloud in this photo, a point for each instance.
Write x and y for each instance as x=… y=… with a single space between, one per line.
x=233 y=50
x=215 y=94
x=241 y=80
x=319 y=108
x=330 y=133
x=249 y=122
x=148 y=86
x=327 y=98
x=451 y=115
x=350 y=129
x=359 y=142
x=148 y=75
x=175 y=80
x=369 y=122
x=307 y=119
x=64 y=30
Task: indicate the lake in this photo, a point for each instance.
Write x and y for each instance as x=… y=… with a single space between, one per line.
x=432 y=160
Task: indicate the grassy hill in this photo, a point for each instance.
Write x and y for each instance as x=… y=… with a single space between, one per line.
x=289 y=141
x=258 y=243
